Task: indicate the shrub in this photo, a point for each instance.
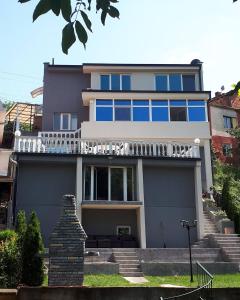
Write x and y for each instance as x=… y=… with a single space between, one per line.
x=7 y=235
x=10 y=262
x=33 y=271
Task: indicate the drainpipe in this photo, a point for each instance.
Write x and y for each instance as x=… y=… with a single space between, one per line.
x=15 y=162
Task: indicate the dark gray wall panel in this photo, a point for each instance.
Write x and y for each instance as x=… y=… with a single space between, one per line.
x=41 y=187
x=169 y=197
x=105 y=222
x=203 y=169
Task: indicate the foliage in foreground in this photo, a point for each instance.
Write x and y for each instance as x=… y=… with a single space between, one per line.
x=77 y=17
x=20 y=260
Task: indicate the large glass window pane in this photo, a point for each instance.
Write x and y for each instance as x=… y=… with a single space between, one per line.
x=178 y=113
x=122 y=102
x=65 y=121
x=130 y=185
x=74 y=120
x=104 y=102
x=227 y=122
x=196 y=114
x=140 y=113
x=115 y=78
x=177 y=102
x=160 y=114
x=161 y=82
x=126 y=82
x=104 y=113
x=196 y=102
x=140 y=102
x=122 y=114
x=188 y=82
x=101 y=183
x=56 y=121
x=105 y=82
x=117 y=184
x=159 y=103
x=87 y=186
x=175 y=82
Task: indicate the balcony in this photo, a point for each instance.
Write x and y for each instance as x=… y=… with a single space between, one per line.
x=71 y=143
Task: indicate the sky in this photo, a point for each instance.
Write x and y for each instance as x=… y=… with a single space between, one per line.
x=149 y=31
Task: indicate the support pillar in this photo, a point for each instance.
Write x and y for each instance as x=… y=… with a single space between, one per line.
x=141 y=211
x=198 y=200
x=79 y=191
x=208 y=165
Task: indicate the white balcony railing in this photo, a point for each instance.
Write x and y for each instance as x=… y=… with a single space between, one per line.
x=68 y=143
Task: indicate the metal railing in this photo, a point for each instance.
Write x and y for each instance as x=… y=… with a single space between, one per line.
x=70 y=143
x=204 y=289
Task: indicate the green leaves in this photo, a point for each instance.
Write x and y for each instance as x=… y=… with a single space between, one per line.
x=74 y=26
x=66 y=9
x=81 y=33
x=68 y=37
x=86 y=20
x=42 y=7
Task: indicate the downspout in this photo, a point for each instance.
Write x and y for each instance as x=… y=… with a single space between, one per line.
x=15 y=176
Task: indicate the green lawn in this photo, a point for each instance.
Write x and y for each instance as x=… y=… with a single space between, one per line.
x=226 y=280
x=219 y=281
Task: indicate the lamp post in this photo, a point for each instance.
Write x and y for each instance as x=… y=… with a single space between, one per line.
x=189 y=226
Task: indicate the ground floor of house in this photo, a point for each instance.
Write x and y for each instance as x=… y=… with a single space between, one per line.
x=121 y=202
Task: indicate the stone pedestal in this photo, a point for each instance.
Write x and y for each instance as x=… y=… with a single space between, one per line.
x=66 y=248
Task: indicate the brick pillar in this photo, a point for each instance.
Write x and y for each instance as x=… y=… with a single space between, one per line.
x=66 y=248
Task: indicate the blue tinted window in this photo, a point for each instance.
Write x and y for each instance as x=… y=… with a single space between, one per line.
x=122 y=102
x=115 y=81
x=196 y=114
x=122 y=114
x=188 y=82
x=104 y=114
x=175 y=82
x=161 y=82
x=56 y=121
x=140 y=102
x=160 y=113
x=105 y=85
x=126 y=82
x=104 y=102
x=159 y=103
x=196 y=102
x=177 y=102
x=140 y=114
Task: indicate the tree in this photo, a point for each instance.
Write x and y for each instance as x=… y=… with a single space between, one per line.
x=7 y=104
x=33 y=273
x=77 y=18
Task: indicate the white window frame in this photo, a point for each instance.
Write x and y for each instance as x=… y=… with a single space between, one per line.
x=110 y=80
x=61 y=121
x=125 y=227
x=151 y=106
x=168 y=81
x=109 y=183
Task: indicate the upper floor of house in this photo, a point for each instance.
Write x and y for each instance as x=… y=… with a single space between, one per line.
x=132 y=101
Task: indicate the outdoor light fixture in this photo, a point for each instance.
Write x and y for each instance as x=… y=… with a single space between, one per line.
x=189 y=225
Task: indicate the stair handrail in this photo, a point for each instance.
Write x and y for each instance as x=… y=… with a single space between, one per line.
x=204 y=289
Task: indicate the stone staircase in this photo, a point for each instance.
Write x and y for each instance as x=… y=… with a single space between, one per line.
x=209 y=225
x=229 y=244
x=129 y=265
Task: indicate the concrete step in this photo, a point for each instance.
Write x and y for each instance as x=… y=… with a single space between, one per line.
x=127 y=261
x=126 y=256
x=132 y=274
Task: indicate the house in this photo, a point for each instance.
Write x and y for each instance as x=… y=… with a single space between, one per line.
x=131 y=141
x=224 y=115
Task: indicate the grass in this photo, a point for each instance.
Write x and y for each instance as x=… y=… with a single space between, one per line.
x=219 y=281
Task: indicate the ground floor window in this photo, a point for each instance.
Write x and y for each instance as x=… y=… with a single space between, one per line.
x=123 y=230
x=108 y=183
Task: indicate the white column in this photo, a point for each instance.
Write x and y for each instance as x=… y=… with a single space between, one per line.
x=79 y=184
x=92 y=111
x=208 y=164
x=140 y=197
x=198 y=199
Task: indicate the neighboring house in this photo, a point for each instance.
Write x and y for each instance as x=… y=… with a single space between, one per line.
x=2 y=118
x=224 y=115
x=131 y=141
